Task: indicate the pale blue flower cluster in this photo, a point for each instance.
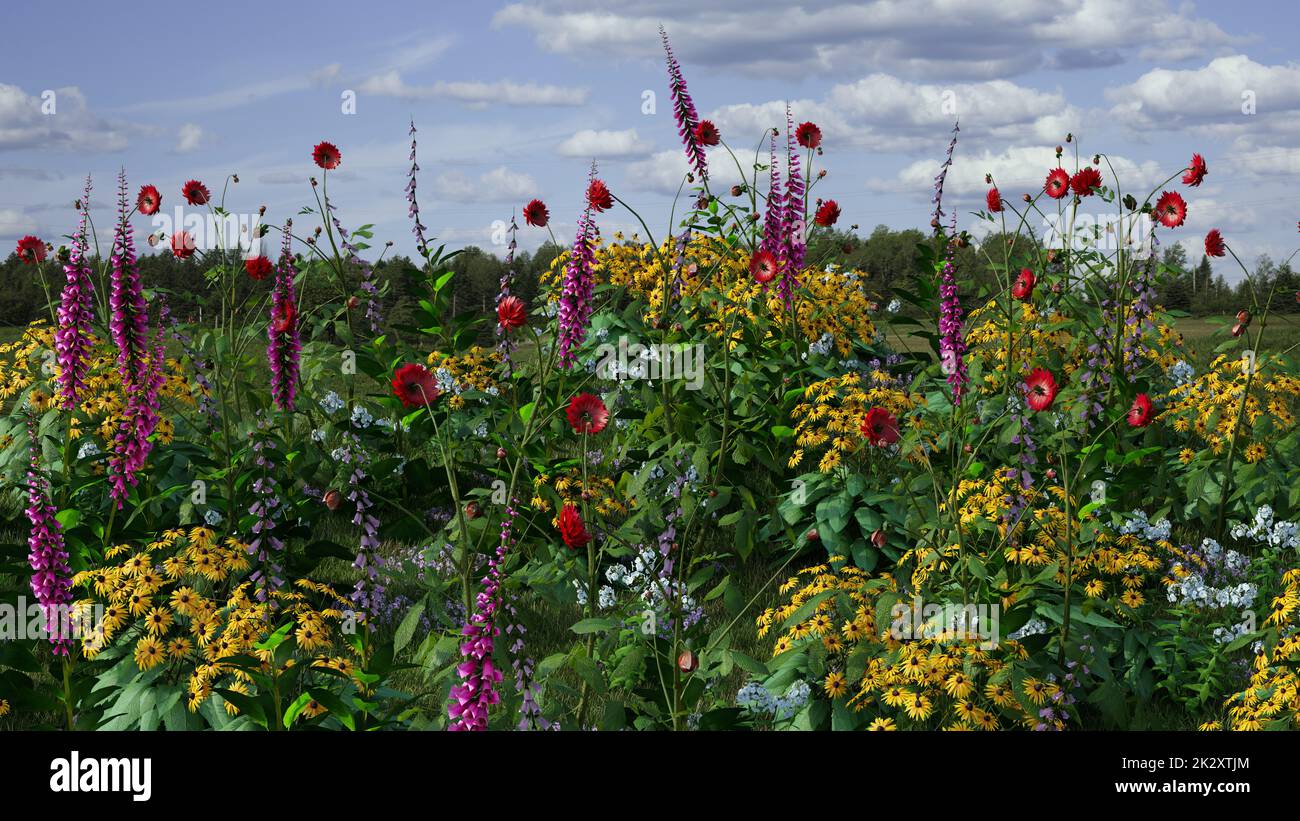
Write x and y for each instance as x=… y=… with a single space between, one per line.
x=755 y=699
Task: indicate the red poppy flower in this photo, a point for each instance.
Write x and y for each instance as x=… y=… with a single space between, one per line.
x=327 y=156
x=195 y=193
x=598 y=196
x=30 y=250
x=1171 y=210
x=880 y=427
x=1023 y=288
x=1142 y=412
x=510 y=313
x=1040 y=389
x=828 y=213
x=1196 y=171
x=706 y=133
x=1214 y=245
x=415 y=385
x=808 y=135
x=148 y=201
x=258 y=267
x=1058 y=183
x=572 y=530
x=283 y=322
x=994 y=200
x=183 y=245
x=762 y=267
x=587 y=413
x=536 y=214
x=1086 y=181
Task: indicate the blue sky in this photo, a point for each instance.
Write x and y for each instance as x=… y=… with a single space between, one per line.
x=513 y=99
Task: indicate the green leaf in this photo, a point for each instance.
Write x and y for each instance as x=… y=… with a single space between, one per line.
x=406 y=629
x=595 y=626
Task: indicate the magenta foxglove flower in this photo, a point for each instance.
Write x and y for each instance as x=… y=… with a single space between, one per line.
x=579 y=283
x=772 y=229
x=48 y=557
x=76 y=313
x=282 y=331
x=688 y=120
x=792 y=217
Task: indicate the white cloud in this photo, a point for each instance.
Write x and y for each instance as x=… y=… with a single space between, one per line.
x=1016 y=170
x=664 y=171
x=499 y=92
x=56 y=118
x=498 y=185
x=15 y=223
x=1214 y=93
x=601 y=144
x=189 y=139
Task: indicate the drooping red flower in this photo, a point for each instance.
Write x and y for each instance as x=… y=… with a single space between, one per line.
x=808 y=135
x=1057 y=184
x=1142 y=412
x=149 y=200
x=763 y=267
x=994 y=200
x=1023 y=287
x=572 y=530
x=415 y=385
x=1171 y=210
x=1196 y=171
x=706 y=133
x=30 y=250
x=536 y=214
x=587 y=414
x=511 y=314
x=880 y=427
x=1086 y=181
x=195 y=193
x=326 y=155
x=1214 y=244
x=183 y=245
x=598 y=196
x=258 y=267
x=828 y=213
x=1040 y=389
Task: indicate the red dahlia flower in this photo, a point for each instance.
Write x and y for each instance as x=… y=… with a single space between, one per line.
x=1057 y=184
x=415 y=385
x=327 y=156
x=148 y=201
x=762 y=267
x=30 y=250
x=536 y=214
x=258 y=267
x=587 y=413
x=1142 y=412
x=1196 y=171
x=183 y=245
x=706 y=133
x=1086 y=181
x=1023 y=288
x=1040 y=389
x=598 y=196
x=195 y=193
x=808 y=135
x=572 y=530
x=1171 y=210
x=510 y=313
x=880 y=427
x=1214 y=244
x=828 y=213
x=994 y=200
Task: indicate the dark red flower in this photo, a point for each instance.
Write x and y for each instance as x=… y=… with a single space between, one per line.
x=1040 y=389
x=598 y=196
x=183 y=245
x=587 y=413
x=706 y=133
x=572 y=530
x=283 y=322
x=536 y=214
x=511 y=314
x=332 y=499
x=1196 y=171
x=1142 y=412
x=415 y=385
x=327 y=156
x=828 y=213
x=1170 y=209
x=1023 y=288
x=1214 y=244
x=994 y=200
x=148 y=200
x=195 y=193
x=880 y=427
x=762 y=267
x=30 y=250
x=808 y=135
x=258 y=267
x=1058 y=183
x=1086 y=181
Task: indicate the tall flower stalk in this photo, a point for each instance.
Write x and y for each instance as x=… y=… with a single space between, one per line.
x=76 y=313
x=792 y=216
x=48 y=557
x=283 y=351
x=476 y=693
x=772 y=231
x=579 y=283
x=684 y=111
x=413 y=211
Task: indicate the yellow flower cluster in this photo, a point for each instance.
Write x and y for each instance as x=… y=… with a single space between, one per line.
x=830 y=417
x=1207 y=406
x=602 y=493
x=4 y=708
x=1273 y=697
x=1034 y=334
x=471 y=370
